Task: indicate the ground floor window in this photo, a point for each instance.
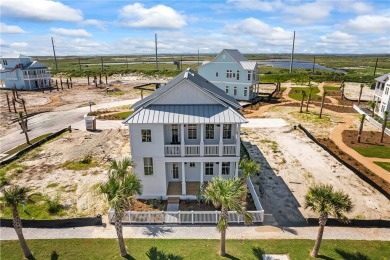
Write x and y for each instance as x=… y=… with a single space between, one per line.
x=148 y=166
x=192 y=164
x=235 y=91
x=209 y=168
x=225 y=168
x=245 y=91
x=175 y=171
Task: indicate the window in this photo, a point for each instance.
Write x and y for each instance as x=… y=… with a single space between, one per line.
x=175 y=171
x=146 y=135
x=238 y=75
x=192 y=131
x=227 y=90
x=234 y=75
x=249 y=74
x=387 y=90
x=383 y=107
x=235 y=91
x=216 y=74
x=245 y=91
x=209 y=131
x=227 y=131
x=209 y=167
x=5 y=62
x=192 y=165
x=148 y=166
x=227 y=73
x=225 y=168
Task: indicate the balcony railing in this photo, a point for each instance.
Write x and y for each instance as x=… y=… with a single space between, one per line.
x=229 y=150
x=39 y=76
x=172 y=150
x=211 y=150
x=195 y=150
x=192 y=150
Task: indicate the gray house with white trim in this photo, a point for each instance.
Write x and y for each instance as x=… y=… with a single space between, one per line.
x=233 y=73
x=382 y=95
x=184 y=134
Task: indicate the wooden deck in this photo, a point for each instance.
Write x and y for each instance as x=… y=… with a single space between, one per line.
x=174 y=188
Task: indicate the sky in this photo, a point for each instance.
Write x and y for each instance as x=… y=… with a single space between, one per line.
x=103 y=27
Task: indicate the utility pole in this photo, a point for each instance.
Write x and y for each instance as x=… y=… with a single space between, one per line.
x=376 y=64
x=314 y=62
x=292 y=54
x=54 y=51
x=155 y=40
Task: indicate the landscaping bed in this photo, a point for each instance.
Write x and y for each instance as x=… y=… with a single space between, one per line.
x=370 y=145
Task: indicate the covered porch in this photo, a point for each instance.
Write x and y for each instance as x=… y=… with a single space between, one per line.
x=175 y=188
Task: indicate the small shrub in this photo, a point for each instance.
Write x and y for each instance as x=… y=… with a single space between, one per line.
x=53 y=205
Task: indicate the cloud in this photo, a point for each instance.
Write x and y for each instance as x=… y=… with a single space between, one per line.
x=370 y=24
x=338 y=38
x=308 y=13
x=265 y=6
x=10 y=29
x=40 y=10
x=19 y=45
x=156 y=17
x=356 y=7
x=97 y=23
x=3 y=43
x=71 y=32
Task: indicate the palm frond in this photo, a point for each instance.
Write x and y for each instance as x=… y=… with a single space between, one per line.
x=14 y=195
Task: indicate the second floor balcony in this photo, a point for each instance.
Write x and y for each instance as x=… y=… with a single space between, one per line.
x=201 y=150
x=37 y=76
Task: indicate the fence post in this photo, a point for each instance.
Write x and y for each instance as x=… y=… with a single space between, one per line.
x=150 y=221
x=178 y=219
x=192 y=216
x=128 y=214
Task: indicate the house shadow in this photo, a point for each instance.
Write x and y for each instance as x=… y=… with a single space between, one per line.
x=352 y=256
x=156 y=231
x=155 y=254
x=275 y=196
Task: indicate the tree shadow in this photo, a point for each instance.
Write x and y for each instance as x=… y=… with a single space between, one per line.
x=352 y=256
x=258 y=252
x=156 y=231
x=231 y=257
x=31 y=258
x=325 y=257
x=154 y=254
x=54 y=255
x=129 y=257
x=289 y=230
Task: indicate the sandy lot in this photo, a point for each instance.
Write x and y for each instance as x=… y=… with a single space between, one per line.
x=291 y=162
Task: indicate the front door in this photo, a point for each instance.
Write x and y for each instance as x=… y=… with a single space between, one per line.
x=175 y=171
x=175 y=134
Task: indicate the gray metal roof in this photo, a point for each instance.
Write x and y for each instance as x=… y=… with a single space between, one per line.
x=235 y=54
x=383 y=78
x=198 y=81
x=248 y=65
x=186 y=114
x=34 y=65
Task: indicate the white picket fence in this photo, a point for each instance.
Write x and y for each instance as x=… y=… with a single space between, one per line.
x=189 y=217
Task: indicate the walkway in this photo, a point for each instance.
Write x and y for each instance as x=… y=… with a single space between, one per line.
x=200 y=232
x=321 y=89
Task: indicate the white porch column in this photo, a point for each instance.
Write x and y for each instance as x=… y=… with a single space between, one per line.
x=220 y=169
x=221 y=140
x=201 y=173
x=201 y=140
x=182 y=148
x=183 y=179
x=238 y=139
x=236 y=171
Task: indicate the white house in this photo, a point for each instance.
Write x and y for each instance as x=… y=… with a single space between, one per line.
x=233 y=73
x=382 y=95
x=184 y=134
x=23 y=73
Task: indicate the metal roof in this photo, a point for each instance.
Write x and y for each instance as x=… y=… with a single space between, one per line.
x=383 y=78
x=235 y=54
x=198 y=81
x=186 y=114
x=14 y=56
x=34 y=65
x=248 y=65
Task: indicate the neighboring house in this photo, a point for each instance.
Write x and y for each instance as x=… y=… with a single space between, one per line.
x=184 y=134
x=24 y=73
x=233 y=73
x=382 y=95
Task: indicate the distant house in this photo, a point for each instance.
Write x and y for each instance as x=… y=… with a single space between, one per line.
x=24 y=73
x=382 y=95
x=184 y=134
x=233 y=73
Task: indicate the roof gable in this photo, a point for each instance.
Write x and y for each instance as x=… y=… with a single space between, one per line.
x=230 y=55
x=383 y=78
x=34 y=65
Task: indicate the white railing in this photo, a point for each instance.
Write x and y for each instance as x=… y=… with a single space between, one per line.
x=39 y=76
x=256 y=199
x=192 y=150
x=172 y=150
x=229 y=150
x=371 y=120
x=211 y=150
x=182 y=217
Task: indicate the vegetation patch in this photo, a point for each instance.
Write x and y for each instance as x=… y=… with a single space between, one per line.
x=200 y=249
x=23 y=146
x=370 y=145
x=377 y=151
x=384 y=165
x=84 y=164
x=296 y=93
x=311 y=117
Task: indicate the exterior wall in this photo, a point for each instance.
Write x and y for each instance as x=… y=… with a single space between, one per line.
x=154 y=185
x=382 y=97
x=184 y=94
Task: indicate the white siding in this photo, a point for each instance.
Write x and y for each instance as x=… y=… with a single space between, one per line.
x=153 y=185
x=147 y=149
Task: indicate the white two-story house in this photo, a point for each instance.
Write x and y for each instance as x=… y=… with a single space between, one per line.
x=233 y=73
x=382 y=95
x=184 y=134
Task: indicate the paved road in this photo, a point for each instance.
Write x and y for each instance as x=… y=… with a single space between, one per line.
x=53 y=121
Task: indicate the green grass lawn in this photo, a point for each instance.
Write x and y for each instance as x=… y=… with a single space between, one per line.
x=378 y=151
x=296 y=93
x=331 y=88
x=122 y=115
x=384 y=165
x=194 y=249
x=22 y=146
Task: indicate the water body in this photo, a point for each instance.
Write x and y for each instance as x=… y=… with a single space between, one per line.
x=136 y=62
x=297 y=64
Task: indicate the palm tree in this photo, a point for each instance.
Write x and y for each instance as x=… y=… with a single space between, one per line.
x=120 y=188
x=360 y=93
x=23 y=125
x=385 y=116
x=11 y=198
x=361 y=127
x=372 y=105
x=303 y=98
x=308 y=97
x=322 y=103
x=249 y=168
x=342 y=87
x=323 y=200
x=227 y=194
